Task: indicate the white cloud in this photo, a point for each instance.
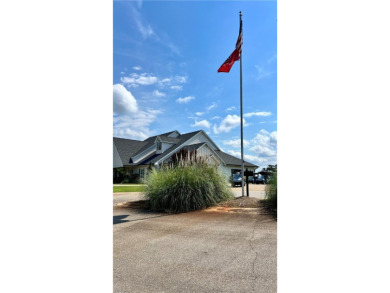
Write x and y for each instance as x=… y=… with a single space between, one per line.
x=265 y=143
x=272 y=58
x=261 y=73
x=265 y=139
x=212 y=106
x=148 y=32
x=136 y=125
x=123 y=100
x=202 y=123
x=232 y=108
x=165 y=80
x=273 y=137
x=144 y=28
x=216 y=117
x=134 y=80
x=146 y=79
x=234 y=153
x=199 y=113
x=236 y=143
x=256 y=160
x=263 y=151
x=181 y=79
x=185 y=100
x=129 y=120
x=264 y=114
x=157 y=93
x=130 y=133
x=227 y=124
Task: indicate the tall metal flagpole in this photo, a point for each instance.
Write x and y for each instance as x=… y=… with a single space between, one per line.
x=242 y=132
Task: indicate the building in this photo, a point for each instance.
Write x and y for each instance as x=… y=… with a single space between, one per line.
x=136 y=156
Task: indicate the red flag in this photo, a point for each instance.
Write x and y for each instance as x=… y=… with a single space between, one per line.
x=225 y=67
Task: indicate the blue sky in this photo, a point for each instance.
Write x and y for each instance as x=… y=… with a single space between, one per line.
x=165 y=62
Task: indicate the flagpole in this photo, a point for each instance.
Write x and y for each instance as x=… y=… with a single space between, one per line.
x=242 y=132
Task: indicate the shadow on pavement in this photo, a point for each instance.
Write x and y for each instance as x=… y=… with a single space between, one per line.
x=119 y=219
x=147 y=218
x=128 y=214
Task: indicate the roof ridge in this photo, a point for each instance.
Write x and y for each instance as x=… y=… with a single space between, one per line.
x=127 y=138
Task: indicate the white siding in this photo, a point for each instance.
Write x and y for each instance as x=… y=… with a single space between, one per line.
x=204 y=151
x=166 y=146
x=202 y=138
x=117 y=162
x=174 y=134
x=225 y=170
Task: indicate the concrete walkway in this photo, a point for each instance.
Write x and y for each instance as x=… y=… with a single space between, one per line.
x=127 y=196
x=257 y=191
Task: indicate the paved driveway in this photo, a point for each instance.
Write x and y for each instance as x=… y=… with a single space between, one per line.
x=126 y=196
x=204 y=251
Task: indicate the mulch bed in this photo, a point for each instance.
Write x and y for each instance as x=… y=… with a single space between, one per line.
x=241 y=202
x=236 y=204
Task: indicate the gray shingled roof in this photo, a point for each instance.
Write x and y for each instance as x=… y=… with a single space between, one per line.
x=178 y=141
x=153 y=158
x=181 y=139
x=127 y=148
x=152 y=138
x=169 y=139
x=193 y=147
x=231 y=160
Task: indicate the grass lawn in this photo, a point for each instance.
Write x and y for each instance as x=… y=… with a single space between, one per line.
x=133 y=188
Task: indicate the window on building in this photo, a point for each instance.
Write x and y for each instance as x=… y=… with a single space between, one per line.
x=142 y=173
x=159 y=145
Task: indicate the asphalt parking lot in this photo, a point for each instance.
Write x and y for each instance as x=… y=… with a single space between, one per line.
x=255 y=190
x=213 y=250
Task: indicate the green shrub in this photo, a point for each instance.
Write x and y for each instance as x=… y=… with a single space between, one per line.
x=271 y=192
x=185 y=186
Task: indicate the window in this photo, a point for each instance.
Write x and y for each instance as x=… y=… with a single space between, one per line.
x=142 y=173
x=159 y=145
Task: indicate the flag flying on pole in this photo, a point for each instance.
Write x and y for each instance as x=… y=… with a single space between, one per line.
x=225 y=67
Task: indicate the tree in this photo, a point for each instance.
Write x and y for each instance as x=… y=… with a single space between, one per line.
x=269 y=171
x=271 y=168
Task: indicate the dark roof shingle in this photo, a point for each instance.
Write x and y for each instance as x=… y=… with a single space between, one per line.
x=231 y=160
x=127 y=148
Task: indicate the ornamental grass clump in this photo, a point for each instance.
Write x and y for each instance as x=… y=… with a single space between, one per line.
x=271 y=192
x=189 y=184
